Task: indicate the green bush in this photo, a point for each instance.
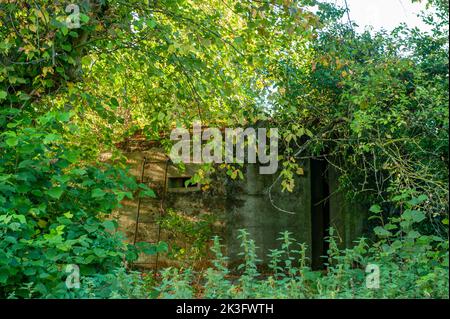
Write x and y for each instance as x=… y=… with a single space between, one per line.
x=193 y=232
x=54 y=209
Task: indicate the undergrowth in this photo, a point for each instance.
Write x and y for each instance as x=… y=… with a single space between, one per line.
x=400 y=263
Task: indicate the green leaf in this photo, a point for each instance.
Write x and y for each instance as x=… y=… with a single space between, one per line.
x=96 y=193
x=91 y=227
x=30 y=271
x=64 y=116
x=114 y=103
x=438 y=239
x=413 y=215
x=162 y=247
x=5 y=177
x=68 y=215
x=151 y=23
x=3 y=95
x=3 y=276
x=380 y=231
x=78 y=171
x=51 y=138
x=55 y=192
x=413 y=234
x=390 y=226
x=99 y=252
x=131 y=254
x=21 y=219
x=86 y=60
x=71 y=156
x=148 y=193
x=12 y=141
x=84 y=18
x=64 y=30
x=24 y=97
x=375 y=209
x=418 y=200
x=89 y=259
x=110 y=225
x=146 y=248
x=66 y=47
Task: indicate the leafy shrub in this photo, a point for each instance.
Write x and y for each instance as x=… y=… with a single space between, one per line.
x=193 y=232
x=175 y=284
x=53 y=209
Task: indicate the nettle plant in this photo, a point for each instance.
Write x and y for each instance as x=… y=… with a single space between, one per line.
x=54 y=209
x=413 y=261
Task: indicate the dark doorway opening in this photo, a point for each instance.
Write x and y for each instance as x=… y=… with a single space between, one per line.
x=320 y=212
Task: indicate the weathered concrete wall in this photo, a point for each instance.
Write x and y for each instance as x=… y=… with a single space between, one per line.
x=249 y=207
x=316 y=202
x=190 y=203
x=244 y=204
x=149 y=208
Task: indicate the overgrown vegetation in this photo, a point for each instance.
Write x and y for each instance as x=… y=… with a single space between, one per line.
x=191 y=236
x=373 y=105
x=410 y=265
